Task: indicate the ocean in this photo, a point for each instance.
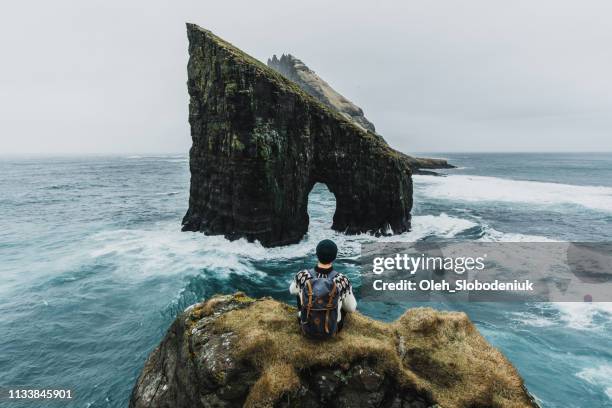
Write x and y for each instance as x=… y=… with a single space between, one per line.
x=94 y=268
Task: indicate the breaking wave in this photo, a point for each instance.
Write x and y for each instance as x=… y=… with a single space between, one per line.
x=599 y=376
x=488 y=189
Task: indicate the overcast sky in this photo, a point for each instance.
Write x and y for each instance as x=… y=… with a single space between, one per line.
x=109 y=76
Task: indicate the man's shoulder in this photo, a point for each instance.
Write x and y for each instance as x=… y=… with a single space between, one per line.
x=302 y=276
x=342 y=280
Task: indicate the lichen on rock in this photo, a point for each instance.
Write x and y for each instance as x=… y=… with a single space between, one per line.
x=234 y=351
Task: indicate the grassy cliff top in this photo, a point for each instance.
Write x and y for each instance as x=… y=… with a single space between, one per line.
x=440 y=354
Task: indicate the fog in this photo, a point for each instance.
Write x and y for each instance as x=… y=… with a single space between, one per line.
x=101 y=77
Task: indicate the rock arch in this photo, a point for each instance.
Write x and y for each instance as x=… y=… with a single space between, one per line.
x=260 y=144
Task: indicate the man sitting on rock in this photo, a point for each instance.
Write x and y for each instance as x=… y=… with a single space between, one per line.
x=323 y=295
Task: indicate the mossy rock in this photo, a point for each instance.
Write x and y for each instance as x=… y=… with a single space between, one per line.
x=234 y=351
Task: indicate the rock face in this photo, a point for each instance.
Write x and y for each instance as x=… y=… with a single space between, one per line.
x=260 y=143
x=233 y=351
x=420 y=165
x=295 y=70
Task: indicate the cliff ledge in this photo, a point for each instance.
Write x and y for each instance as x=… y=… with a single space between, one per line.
x=234 y=351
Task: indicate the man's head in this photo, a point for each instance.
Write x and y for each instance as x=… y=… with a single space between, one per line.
x=326 y=251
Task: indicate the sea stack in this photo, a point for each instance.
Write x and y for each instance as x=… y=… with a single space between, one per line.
x=260 y=143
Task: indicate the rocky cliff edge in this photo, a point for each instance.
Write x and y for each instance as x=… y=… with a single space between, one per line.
x=233 y=351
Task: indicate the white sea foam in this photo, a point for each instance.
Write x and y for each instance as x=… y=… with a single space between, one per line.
x=532 y=319
x=480 y=188
x=163 y=249
x=442 y=225
x=584 y=315
x=600 y=376
x=493 y=235
x=166 y=251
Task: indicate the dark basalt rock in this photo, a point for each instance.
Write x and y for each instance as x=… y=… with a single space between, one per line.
x=260 y=143
x=418 y=164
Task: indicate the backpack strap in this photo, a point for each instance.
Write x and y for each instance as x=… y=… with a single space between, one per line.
x=309 y=286
x=330 y=301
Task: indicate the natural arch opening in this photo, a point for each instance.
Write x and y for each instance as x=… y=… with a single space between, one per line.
x=321 y=207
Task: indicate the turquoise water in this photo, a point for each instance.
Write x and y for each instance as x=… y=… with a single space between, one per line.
x=94 y=266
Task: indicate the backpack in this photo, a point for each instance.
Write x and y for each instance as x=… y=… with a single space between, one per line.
x=319 y=310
